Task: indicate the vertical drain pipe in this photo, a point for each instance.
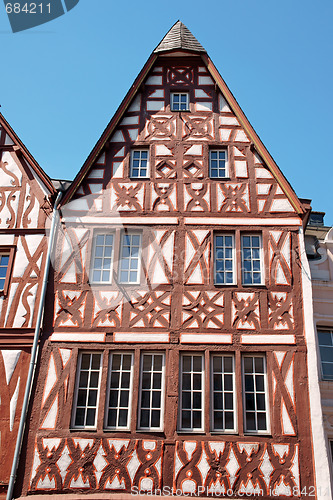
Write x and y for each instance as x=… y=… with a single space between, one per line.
x=34 y=352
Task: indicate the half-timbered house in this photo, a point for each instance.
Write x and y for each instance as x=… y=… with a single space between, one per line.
x=25 y=192
x=174 y=345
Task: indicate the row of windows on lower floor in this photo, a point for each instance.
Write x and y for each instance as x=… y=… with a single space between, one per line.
x=149 y=386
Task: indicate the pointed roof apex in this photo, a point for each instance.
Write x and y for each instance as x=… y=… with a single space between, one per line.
x=179 y=37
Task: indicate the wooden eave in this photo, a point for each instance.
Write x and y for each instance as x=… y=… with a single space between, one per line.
x=27 y=155
x=259 y=146
x=109 y=129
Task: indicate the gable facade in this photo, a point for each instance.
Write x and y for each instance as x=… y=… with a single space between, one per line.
x=174 y=350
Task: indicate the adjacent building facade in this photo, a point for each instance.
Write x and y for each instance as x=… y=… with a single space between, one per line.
x=174 y=348
x=319 y=244
x=25 y=193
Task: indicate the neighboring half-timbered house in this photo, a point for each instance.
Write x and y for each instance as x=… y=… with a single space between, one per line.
x=174 y=352
x=24 y=208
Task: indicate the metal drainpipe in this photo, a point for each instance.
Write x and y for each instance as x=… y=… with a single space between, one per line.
x=34 y=351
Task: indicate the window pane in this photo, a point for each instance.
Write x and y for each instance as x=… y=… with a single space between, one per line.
x=120 y=383
x=87 y=392
x=139 y=163
x=151 y=390
x=191 y=395
x=254 y=393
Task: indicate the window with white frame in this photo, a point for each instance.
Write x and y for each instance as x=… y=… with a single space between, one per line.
x=251 y=259
x=180 y=101
x=223 y=397
x=139 y=163
x=151 y=395
x=102 y=258
x=129 y=268
x=218 y=163
x=4 y=263
x=255 y=394
x=87 y=390
x=191 y=416
x=325 y=341
x=224 y=259
x=119 y=391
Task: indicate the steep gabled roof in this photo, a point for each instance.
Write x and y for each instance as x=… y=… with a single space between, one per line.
x=176 y=38
x=27 y=155
x=179 y=37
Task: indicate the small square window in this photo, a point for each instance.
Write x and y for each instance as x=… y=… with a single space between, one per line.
x=218 y=164
x=180 y=101
x=139 y=163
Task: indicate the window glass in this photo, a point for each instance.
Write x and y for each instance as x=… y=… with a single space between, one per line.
x=218 y=163
x=325 y=341
x=130 y=258
x=151 y=391
x=102 y=258
x=180 y=101
x=223 y=393
x=4 y=261
x=224 y=254
x=120 y=390
x=87 y=390
x=139 y=163
x=251 y=260
x=191 y=392
x=255 y=397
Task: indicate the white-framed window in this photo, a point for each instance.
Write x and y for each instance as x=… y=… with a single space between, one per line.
x=87 y=390
x=218 y=164
x=191 y=404
x=256 y=415
x=119 y=391
x=224 y=259
x=325 y=342
x=130 y=254
x=4 y=263
x=223 y=394
x=180 y=101
x=139 y=163
x=101 y=264
x=251 y=259
x=151 y=394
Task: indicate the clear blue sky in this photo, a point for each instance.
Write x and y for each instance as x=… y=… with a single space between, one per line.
x=62 y=82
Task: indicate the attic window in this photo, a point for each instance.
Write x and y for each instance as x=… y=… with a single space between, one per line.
x=180 y=101
x=139 y=163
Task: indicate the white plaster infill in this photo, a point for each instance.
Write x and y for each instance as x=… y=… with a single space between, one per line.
x=267 y=339
x=141 y=337
x=121 y=220
x=77 y=337
x=321 y=459
x=205 y=338
x=243 y=221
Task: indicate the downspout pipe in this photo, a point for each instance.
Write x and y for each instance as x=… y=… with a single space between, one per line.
x=34 y=352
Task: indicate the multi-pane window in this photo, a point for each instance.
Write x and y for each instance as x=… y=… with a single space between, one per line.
x=251 y=260
x=218 y=164
x=151 y=394
x=180 y=101
x=223 y=393
x=129 y=258
x=255 y=394
x=102 y=258
x=119 y=390
x=224 y=259
x=87 y=390
x=191 y=392
x=4 y=262
x=325 y=340
x=139 y=163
